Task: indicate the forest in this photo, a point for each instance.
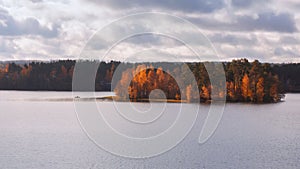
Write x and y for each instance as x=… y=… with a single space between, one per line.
x=245 y=81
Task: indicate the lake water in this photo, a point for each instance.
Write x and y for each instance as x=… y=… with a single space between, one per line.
x=41 y=130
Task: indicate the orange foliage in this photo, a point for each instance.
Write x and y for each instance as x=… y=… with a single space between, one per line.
x=6 y=68
x=204 y=94
x=231 y=90
x=246 y=92
x=26 y=71
x=144 y=79
x=260 y=90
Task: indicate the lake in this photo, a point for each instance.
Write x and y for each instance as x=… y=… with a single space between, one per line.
x=41 y=130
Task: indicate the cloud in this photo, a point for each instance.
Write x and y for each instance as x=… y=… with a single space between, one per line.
x=36 y=1
x=241 y=3
x=280 y=51
x=46 y=29
x=29 y=26
x=289 y=40
x=233 y=39
x=244 y=4
x=6 y=46
x=283 y=22
x=205 y=6
x=267 y=21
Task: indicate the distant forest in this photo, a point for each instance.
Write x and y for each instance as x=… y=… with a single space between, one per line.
x=245 y=81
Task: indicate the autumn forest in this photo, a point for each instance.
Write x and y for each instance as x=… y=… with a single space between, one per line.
x=245 y=81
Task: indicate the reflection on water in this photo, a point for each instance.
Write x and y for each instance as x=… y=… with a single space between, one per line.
x=46 y=134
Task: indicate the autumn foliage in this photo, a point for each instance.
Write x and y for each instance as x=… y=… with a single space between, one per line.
x=245 y=81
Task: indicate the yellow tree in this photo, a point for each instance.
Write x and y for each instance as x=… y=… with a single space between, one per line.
x=160 y=77
x=132 y=92
x=245 y=88
x=188 y=93
x=177 y=96
x=204 y=94
x=151 y=80
x=231 y=90
x=6 y=68
x=140 y=80
x=260 y=90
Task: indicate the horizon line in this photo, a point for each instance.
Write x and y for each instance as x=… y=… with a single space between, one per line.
x=76 y=59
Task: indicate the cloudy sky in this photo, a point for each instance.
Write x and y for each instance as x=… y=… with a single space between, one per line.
x=49 y=29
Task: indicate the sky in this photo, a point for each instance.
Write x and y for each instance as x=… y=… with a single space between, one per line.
x=50 y=30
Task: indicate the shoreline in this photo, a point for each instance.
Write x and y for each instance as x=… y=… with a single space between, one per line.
x=145 y=100
x=111 y=98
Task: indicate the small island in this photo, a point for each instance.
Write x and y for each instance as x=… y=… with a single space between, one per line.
x=245 y=82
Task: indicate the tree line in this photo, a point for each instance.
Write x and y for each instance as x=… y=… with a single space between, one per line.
x=245 y=81
x=49 y=76
x=288 y=76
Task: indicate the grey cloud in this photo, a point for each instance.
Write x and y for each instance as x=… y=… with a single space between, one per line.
x=236 y=29
x=29 y=26
x=289 y=40
x=233 y=39
x=205 y=6
x=270 y=21
x=7 y=46
x=3 y=11
x=36 y=1
x=250 y=3
x=241 y=3
x=145 y=39
x=279 y=51
x=283 y=22
x=251 y=54
x=152 y=55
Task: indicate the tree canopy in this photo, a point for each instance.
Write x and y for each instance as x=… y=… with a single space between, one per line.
x=245 y=81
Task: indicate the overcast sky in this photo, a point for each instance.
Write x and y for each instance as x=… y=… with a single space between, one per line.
x=49 y=29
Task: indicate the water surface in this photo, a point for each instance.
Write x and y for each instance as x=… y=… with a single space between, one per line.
x=40 y=133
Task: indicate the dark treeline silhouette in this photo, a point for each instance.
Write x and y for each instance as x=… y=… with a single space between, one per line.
x=245 y=81
x=289 y=76
x=50 y=76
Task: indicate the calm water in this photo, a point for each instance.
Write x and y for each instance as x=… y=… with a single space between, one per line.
x=40 y=130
